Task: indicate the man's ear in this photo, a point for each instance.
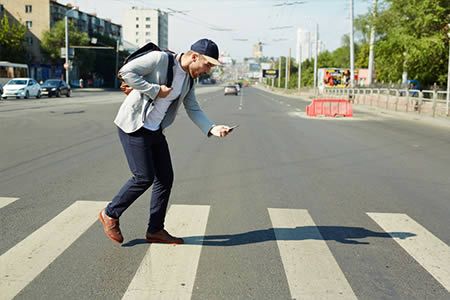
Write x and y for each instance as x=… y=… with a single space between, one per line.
x=194 y=56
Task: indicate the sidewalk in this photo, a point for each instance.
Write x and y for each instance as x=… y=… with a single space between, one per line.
x=307 y=96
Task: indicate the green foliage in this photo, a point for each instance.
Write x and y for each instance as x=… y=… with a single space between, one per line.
x=410 y=34
x=413 y=35
x=54 y=39
x=12 y=38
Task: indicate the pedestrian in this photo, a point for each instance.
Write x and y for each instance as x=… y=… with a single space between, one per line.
x=81 y=83
x=141 y=122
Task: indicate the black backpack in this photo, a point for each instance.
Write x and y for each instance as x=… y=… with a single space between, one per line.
x=149 y=47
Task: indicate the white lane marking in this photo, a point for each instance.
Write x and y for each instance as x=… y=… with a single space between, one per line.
x=311 y=270
x=429 y=251
x=168 y=271
x=22 y=263
x=6 y=200
x=241 y=103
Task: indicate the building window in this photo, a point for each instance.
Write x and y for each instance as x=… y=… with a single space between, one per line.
x=137 y=41
x=147 y=33
x=137 y=25
x=147 y=19
x=29 y=24
x=28 y=8
x=147 y=26
x=137 y=18
x=29 y=40
x=137 y=32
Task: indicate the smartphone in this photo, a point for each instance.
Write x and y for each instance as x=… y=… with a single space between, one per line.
x=232 y=127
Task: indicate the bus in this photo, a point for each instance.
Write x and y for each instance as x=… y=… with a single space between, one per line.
x=10 y=70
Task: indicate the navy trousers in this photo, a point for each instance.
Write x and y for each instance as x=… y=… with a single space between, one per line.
x=149 y=160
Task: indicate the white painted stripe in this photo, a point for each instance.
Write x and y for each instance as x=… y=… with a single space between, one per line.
x=429 y=251
x=311 y=270
x=168 y=271
x=22 y=263
x=6 y=200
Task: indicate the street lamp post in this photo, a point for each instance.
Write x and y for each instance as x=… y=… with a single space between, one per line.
x=66 y=65
x=66 y=24
x=352 y=49
x=448 y=75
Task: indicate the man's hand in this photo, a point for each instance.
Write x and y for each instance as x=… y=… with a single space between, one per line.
x=164 y=91
x=125 y=88
x=220 y=130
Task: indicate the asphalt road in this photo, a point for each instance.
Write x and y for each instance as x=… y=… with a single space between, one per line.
x=291 y=207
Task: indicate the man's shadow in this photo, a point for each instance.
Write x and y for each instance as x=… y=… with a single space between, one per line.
x=340 y=234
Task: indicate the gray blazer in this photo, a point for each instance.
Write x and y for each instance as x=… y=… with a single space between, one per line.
x=145 y=74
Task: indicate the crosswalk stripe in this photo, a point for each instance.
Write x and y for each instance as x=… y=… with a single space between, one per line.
x=6 y=200
x=311 y=270
x=429 y=251
x=168 y=271
x=22 y=263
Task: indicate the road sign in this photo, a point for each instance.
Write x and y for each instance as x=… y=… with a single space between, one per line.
x=71 y=52
x=270 y=73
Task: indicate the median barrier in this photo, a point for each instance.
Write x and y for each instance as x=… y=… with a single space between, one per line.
x=329 y=108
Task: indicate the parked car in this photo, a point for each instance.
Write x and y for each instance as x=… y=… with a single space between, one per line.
x=230 y=90
x=21 y=87
x=55 y=87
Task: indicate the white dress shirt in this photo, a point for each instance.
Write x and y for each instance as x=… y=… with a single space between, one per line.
x=161 y=105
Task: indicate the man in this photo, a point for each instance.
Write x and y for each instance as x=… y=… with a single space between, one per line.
x=149 y=108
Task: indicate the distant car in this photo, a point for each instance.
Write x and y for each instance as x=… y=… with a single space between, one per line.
x=230 y=90
x=55 y=87
x=208 y=81
x=21 y=87
x=1 y=89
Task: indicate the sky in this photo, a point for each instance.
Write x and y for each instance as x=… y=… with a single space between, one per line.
x=236 y=25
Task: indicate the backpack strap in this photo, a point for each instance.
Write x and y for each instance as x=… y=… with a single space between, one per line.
x=170 y=69
x=168 y=83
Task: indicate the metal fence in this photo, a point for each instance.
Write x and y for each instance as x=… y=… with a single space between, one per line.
x=428 y=102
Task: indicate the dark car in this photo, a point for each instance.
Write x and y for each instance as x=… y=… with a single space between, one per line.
x=55 y=87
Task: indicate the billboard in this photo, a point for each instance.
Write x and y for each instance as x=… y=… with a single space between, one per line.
x=270 y=73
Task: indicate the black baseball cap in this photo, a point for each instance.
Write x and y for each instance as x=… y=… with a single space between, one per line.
x=208 y=49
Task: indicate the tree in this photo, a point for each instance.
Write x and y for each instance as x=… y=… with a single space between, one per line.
x=12 y=37
x=54 y=39
x=413 y=36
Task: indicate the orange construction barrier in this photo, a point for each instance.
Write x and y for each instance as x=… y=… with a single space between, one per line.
x=329 y=108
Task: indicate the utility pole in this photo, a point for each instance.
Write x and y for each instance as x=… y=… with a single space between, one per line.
x=448 y=75
x=299 y=83
x=315 y=56
x=352 y=50
x=372 y=43
x=286 y=81
x=279 y=72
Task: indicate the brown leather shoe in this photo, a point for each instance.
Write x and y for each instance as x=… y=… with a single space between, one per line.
x=111 y=227
x=163 y=237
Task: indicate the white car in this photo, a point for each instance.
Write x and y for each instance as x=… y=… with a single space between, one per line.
x=21 y=88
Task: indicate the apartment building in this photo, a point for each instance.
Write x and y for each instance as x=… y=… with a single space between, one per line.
x=40 y=15
x=143 y=25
